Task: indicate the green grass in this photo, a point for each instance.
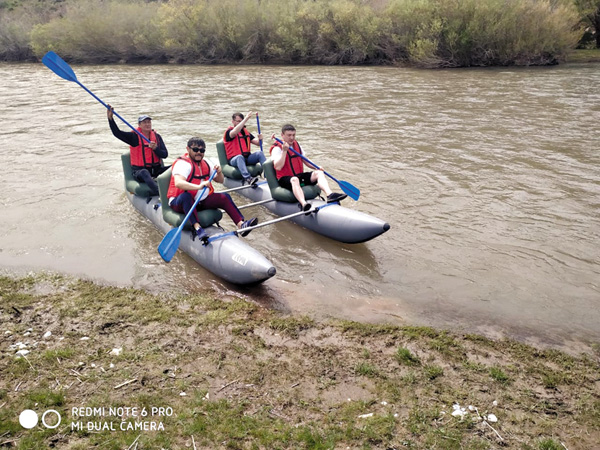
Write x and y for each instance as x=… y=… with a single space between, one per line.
x=590 y=411
x=584 y=56
x=432 y=371
x=291 y=326
x=420 y=332
x=409 y=378
x=552 y=380
x=46 y=398
x=474 y=366
x=366 y=369
x=404 y=356
x=59 y=353
x=448 y=346
x=366 y=329
x=550 y=444
x=226 y=421
x=497 y=374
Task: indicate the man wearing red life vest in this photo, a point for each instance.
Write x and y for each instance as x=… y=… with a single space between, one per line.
x=238 y=140
x=146 y=159
x=289 y=169
x=190 y=175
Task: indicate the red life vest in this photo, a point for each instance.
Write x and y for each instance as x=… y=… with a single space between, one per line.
x=198 y=174
x=142 y=155
x=293 y=164
x=239 y=145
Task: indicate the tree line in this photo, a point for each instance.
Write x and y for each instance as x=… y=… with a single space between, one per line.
x=419 y=33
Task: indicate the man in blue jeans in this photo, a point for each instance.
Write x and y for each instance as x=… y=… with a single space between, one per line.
x=238 y=141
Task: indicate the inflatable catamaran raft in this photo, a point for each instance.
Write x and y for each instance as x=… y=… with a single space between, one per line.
x=229 y=258
x=329 y=219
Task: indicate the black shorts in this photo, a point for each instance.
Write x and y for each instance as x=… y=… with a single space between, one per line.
x=304 y=178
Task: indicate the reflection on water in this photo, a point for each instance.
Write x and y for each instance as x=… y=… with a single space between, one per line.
x=489 y=179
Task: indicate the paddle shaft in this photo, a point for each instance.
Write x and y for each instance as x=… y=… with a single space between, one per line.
x=114 y=112
x=258 y=127
x=260 y=225
x=261 y=202
x=239 y=188
x=271 y=222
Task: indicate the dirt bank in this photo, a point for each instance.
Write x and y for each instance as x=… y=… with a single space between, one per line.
x=225 y=373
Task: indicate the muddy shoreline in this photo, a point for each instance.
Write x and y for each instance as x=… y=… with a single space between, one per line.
x=289 y=299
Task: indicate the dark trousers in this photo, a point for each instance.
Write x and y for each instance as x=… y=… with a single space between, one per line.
x=145 y=176
x=184 y=202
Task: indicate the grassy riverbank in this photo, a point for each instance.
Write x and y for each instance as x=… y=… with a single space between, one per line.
x=427 y=33
x=585 y=56
x=239 y=376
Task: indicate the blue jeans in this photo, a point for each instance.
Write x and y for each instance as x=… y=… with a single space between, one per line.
x=240 y=162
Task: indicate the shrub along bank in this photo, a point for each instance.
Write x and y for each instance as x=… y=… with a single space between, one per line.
x=422 y=33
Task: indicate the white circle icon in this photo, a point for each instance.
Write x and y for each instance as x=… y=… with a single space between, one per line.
x=44 y=419
x=28 y=419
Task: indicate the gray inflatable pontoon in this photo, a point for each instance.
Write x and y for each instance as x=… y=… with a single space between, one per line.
x=331 y=220
x=229 y=258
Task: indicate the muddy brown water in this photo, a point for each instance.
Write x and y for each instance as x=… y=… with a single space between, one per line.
x=490 y=180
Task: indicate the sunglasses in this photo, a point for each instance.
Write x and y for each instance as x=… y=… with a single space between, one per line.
x=198 y=149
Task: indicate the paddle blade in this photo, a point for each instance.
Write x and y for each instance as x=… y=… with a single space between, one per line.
x=56 y=64
x=352 y=191
x=169 y=245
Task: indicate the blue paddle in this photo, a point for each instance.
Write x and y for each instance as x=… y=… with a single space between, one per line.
x=170 y=243
x=258 y=126
x=57 y=65
x=352 y=191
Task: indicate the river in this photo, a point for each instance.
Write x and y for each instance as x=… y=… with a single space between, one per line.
x=490 y=179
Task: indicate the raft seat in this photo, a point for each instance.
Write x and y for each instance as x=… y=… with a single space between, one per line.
x=206 y=217
x=283 y=194
x=233 y=172
x=131 y=185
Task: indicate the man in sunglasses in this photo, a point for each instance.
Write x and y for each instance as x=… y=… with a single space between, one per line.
x=146 y=158
x=238 y=140
x=191 y=174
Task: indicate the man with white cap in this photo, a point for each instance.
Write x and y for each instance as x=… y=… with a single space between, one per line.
x=146 y=158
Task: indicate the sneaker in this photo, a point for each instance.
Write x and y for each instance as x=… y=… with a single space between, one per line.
x=201 y=235
x=307 y=209
x=335 y=197
x=246 y=224
x=250 y=181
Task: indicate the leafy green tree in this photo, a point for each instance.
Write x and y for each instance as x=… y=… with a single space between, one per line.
x=590 y=12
